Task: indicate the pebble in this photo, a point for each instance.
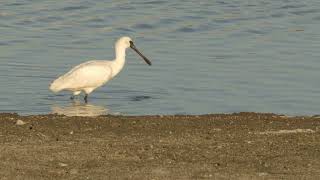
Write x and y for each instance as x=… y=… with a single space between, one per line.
x=63 y=164
x=20 y=122
x=73 y=171
x=262 y=174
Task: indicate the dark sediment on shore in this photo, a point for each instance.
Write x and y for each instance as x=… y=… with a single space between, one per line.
x=240 y=146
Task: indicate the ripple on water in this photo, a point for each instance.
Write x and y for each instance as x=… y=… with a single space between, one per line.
x=169 y=21
x=16 y=4
x=140 y=98
x=3 y=43
x=157 y=2
x=73 y=8
x=143 y=26
x=255 y=31
x=304 y=12
x=125 y=30
x=186 y=29
x=50 y=19
x=292 y=6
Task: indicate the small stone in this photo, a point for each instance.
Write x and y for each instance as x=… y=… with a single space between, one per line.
x=63 y=164
x=20 y=122
x=262 y=174
x=73 y=171
x=71 y=132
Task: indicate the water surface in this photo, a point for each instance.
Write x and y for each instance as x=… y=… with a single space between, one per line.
x=208 y=57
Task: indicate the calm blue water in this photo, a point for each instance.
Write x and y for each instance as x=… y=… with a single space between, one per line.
x=208 y=56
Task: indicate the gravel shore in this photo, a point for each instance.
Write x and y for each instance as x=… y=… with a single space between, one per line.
x=218 y=146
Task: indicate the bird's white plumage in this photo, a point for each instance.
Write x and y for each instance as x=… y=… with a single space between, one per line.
x=92 y=74
x=84 y=77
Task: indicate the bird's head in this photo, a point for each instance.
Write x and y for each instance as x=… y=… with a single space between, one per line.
x=126 y=42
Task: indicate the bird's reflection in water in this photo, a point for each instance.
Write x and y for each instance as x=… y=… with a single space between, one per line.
x=77 y=108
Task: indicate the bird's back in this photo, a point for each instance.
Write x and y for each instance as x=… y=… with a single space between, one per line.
x=89 y=74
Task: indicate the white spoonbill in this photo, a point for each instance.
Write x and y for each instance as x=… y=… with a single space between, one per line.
x=92 y=74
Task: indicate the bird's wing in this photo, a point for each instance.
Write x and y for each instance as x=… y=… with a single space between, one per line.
x=78 y=67
x=88 y=74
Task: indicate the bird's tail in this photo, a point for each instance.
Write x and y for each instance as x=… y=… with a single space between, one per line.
x=56 y=85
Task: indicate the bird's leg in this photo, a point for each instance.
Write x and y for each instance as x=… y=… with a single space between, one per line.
x=86 y=98
x=75 y=93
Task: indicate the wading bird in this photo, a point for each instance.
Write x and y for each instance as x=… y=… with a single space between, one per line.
x=92 y=74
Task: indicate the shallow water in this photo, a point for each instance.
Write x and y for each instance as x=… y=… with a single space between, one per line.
x=208 y=57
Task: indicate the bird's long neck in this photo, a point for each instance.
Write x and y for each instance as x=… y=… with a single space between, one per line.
x=119 y=62
x=120 y=53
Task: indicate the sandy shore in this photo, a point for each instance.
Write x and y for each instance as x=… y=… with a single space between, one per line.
x=238 y=146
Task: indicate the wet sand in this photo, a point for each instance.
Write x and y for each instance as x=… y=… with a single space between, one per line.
x=237 y=146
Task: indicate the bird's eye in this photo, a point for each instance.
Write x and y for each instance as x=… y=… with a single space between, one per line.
x=131 y=44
